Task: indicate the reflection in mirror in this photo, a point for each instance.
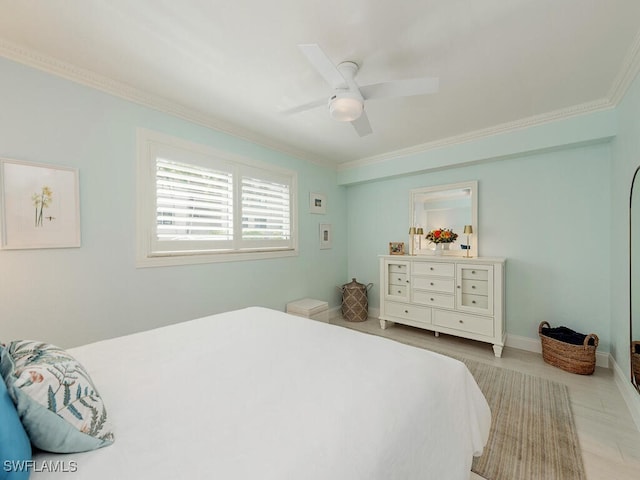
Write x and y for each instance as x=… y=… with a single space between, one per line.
x=634 y=280
x=450 y=207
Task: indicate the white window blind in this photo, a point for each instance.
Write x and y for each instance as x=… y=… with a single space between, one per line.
x=266 y=211
x=195 y=201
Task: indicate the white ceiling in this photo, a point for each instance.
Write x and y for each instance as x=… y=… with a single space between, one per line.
x=234 y=64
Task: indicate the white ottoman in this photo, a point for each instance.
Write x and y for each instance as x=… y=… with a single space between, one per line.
x=310 y=308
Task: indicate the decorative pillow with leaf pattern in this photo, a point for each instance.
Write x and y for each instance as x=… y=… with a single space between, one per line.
x=56 y=399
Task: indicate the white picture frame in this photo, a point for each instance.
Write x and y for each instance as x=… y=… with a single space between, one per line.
x=39 y=206
x=326 y=236
x=317 y=203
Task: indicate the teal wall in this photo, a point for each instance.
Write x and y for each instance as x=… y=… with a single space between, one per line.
x=74 y=296
x=547 y=213
x=626 y=158
x=552 y=199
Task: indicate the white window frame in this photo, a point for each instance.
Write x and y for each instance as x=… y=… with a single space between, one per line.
x=151 y=253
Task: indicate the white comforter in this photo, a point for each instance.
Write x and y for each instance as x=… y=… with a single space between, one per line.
x=258 y=394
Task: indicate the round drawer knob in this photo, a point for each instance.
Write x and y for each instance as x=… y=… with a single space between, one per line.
x=460 y=321
x=432 y=299
x=406 y=311
x=473 y=286
x=431 y=283
x=399 y=291
x=473 y=272
x=473 y=301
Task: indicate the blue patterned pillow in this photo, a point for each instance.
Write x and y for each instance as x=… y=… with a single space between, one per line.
x=14 y=443
x=56 y=400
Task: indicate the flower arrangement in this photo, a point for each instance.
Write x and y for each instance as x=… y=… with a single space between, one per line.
x=442 y=235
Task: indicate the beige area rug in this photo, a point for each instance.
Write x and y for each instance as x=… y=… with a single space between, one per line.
x=533 y=435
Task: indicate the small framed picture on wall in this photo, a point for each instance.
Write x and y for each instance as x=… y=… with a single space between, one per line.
x=317 y=203
x=396 y=248
x=325 y=236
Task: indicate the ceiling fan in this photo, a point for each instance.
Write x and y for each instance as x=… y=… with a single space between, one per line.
x=346 y=102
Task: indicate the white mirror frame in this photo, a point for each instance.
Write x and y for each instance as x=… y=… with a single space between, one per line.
x=427 y=248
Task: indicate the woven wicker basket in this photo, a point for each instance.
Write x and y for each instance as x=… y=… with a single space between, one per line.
x=355 y=306
x=580 y=359
x=635 y=361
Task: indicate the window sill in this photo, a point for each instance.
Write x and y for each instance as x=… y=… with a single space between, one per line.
x=195 y=259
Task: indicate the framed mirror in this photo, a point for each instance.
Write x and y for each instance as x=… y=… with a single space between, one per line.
x=634 y=278
x=445 y=210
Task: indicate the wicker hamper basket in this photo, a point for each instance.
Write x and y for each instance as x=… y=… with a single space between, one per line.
x=635 y=361
x=580 y=359
x=355 y=306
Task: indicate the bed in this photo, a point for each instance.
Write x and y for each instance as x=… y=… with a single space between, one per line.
x=260 y=394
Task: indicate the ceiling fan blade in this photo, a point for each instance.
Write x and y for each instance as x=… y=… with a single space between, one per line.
x=401 y=88
x=362 y=125
x=323 y=64
x=306 y=106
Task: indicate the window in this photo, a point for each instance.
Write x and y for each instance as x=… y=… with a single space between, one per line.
x=197 y=204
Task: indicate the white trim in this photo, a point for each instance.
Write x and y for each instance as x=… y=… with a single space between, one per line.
x=628 y=392
x=603 y=359
x=628 y=72
x=145 y=204
x=32 y=58
x=533 y=345
x=521 y=124
x=374 y=312
x=336 y=312
x=46 y=63
x=172 y=260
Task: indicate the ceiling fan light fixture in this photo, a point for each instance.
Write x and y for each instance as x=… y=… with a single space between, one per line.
x=345 y=107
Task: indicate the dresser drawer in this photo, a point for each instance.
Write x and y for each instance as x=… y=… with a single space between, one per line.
x=398 y=267
x=466 y=323
x=475 y=301
x=475 y=287
x=397 y=290
x=396 y=278
x=411 y=312
x=469 y=273
x=433 y=268
x=434 y=284
x=433 y=299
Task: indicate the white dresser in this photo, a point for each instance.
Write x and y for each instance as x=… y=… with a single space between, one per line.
x=454 y=295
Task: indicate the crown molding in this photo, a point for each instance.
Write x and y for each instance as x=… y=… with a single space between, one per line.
x=48 y=64
x=628 y=72
x=521 y=124
x=38 y=60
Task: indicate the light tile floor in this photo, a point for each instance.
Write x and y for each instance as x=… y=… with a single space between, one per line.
x=609 y=439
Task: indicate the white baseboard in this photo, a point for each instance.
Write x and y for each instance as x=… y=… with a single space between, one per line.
x=335 y=312
x=603 y=359
x=629 y=393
